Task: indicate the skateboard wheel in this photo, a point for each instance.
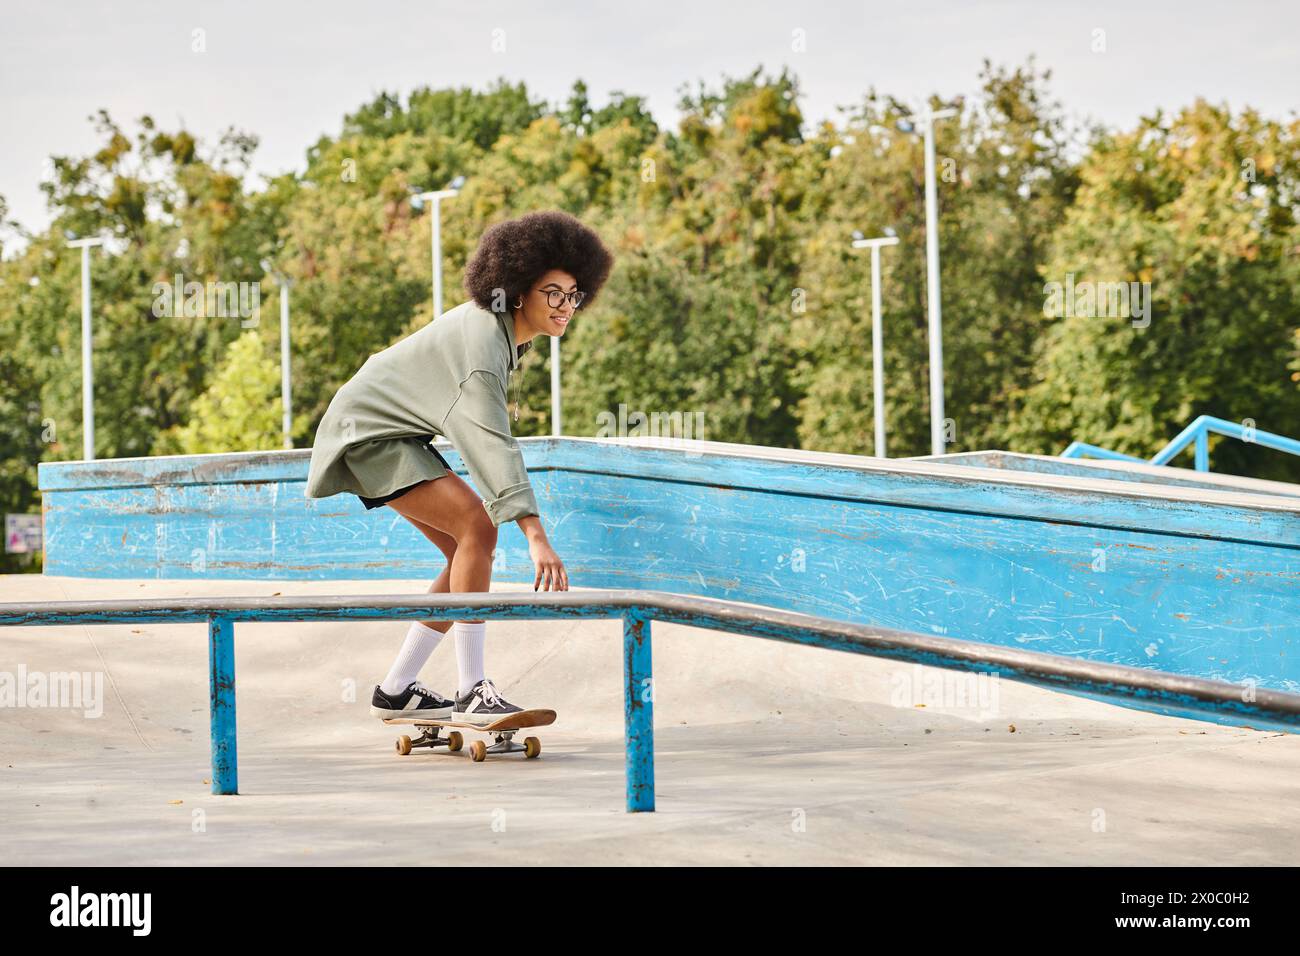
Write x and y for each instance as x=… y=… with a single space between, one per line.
x=455 y=741
x=532 y=747
x=403 y=745
x=478 y=751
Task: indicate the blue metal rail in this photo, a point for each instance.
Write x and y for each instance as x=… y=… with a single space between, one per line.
x=1158 y=691
x=1197 y=433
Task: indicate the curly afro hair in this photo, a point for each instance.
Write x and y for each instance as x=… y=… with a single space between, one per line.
x=514 y=254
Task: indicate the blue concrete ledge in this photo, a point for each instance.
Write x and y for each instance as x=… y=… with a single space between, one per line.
x=1189 y=579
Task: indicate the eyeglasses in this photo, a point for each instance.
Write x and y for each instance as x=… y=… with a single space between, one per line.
x=554 y=297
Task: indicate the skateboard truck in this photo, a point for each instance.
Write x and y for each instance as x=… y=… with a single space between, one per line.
x=431 y=738
x=502 y=732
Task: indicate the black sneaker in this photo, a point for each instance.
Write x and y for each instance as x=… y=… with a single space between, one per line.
x=416 y=701
x=483 y=704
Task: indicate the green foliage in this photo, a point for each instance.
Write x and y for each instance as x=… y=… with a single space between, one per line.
x=22 y=437
x=461 y=115
x=1201 y=205
x=1002 y=182
x=240 y=411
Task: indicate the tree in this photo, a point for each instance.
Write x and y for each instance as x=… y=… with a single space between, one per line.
x=1003 y=181
x=22 y=433
x=1199 y=206
x=240 y=411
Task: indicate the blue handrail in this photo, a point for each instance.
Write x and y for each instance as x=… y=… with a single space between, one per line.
x=1198 y=433
x=1175 y=694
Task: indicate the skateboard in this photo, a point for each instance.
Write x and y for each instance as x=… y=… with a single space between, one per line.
x=503 y=730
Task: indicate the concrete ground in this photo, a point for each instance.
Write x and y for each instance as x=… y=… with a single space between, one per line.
x=896 y=772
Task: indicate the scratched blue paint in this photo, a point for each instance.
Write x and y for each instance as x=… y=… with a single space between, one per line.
x=221 y=688
x=638 y=713
x=176 y=470
x=1111 y=574
x=1185 y=603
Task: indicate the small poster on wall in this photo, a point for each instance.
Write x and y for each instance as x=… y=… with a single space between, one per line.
x=22 y=534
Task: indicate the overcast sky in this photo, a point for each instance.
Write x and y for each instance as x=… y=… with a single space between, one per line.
x=287 y=72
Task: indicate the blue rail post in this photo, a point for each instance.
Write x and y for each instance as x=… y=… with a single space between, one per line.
x=638 y=712
x=221 y=687
x=1197 y=432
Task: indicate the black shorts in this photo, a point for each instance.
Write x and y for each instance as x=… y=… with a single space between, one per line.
x=380 y=502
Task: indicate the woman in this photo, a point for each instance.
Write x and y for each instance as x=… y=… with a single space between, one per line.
x=526 y=279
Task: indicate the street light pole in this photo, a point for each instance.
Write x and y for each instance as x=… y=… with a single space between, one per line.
x=877 y=335
x=286 y=382
x=87 y=366
x=555 y=385
x=286 y=398
x=932 y=294
x=435 y=240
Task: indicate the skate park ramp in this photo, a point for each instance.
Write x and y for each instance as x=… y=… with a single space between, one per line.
x=766 y=753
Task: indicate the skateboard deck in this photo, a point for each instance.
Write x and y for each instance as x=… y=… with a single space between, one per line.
x=502 y=730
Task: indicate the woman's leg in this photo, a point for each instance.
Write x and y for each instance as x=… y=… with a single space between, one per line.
x=422 y=637
x=442 y=583
x=447 y=508
x=451 y=515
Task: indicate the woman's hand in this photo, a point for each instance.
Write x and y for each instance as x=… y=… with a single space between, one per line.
x=551 y=575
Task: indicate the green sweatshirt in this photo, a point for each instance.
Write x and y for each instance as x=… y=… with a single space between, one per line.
x=447 y=379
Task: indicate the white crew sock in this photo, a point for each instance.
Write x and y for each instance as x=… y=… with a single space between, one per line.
x=419 y=644
x=470 y=639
